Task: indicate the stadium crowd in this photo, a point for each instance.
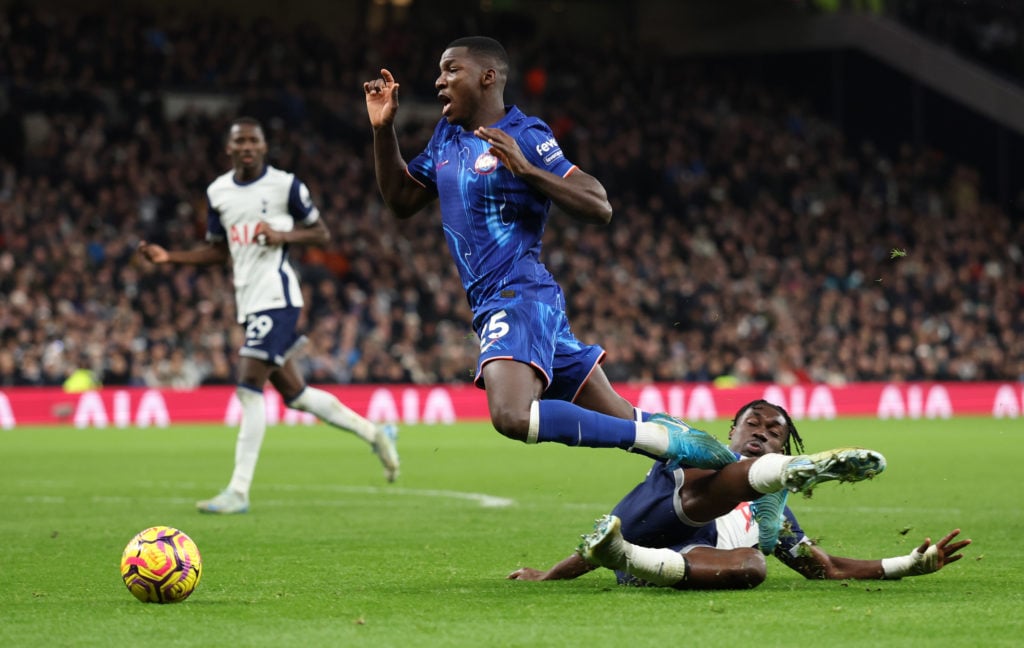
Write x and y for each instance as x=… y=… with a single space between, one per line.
x=751 y=240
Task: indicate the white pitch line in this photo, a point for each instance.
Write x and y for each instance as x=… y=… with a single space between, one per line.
x=483 y=499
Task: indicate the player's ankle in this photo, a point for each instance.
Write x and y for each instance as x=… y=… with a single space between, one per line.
x=765 y=473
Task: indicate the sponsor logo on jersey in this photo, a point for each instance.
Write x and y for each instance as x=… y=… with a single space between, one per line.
x=549 y=150
x=554 y=156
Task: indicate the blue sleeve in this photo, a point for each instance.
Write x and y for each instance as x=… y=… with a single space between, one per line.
x=300 y=203
x=542 y=150
x=214 y=228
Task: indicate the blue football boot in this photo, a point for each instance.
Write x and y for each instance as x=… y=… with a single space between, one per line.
x=767 y=511
x=692 y=447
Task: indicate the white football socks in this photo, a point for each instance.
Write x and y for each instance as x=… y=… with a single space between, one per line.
x=765 y=474
x=664 y=567
x=250 y=438
x=330 y=410
x=651 y=438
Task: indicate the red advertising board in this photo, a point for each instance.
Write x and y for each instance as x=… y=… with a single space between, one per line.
x=443 y=404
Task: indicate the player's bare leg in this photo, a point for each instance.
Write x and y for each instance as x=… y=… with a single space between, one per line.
x=512 y=387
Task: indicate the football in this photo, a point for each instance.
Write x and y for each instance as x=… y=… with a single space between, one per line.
x=161 y=565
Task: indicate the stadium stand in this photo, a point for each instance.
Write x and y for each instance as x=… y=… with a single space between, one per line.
x=752 y=240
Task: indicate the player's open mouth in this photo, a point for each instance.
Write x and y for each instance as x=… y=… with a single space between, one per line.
x=446 y=104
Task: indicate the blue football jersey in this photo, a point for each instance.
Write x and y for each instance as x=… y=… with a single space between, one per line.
x=492 y=220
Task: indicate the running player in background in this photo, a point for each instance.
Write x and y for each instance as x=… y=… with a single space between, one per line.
x=690 y=528
x=255 y=212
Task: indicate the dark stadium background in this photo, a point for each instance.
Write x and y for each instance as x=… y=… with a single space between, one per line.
x=110 y=114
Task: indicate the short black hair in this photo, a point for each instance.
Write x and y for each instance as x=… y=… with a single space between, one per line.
x=486 y=46
x=243 y=121
x=792 y=439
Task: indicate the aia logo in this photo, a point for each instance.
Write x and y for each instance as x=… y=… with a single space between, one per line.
x=242 y=233
x=485 y=164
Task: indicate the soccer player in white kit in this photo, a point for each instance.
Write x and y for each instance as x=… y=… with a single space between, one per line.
x=255 y=212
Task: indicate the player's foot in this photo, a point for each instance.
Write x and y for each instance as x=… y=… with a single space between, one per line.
x=604 y=546
x=767 y=511
x=384 y=448
x=692 y=447
x=804 y=472
x=227 y=502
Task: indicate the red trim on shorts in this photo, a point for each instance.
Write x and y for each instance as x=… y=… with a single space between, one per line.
x=590 y=373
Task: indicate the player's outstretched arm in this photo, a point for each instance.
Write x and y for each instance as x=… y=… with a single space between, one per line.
x=814 y=562
x=572 y=567
x=927 y=558
x=205 y=254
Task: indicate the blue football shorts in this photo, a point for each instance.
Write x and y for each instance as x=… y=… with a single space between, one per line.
x=537 y=334
x=271 y=335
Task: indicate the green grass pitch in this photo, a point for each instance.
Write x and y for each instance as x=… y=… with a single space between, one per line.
x=330 y=555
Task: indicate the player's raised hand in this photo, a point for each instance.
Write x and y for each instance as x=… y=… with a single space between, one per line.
x=381 y=99
x=505 y=148
x=153 y=252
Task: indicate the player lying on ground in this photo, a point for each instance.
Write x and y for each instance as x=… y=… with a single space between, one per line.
x=691 y=528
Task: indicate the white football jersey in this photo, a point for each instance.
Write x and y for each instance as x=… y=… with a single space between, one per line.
x=264 y=279
x=736 y=528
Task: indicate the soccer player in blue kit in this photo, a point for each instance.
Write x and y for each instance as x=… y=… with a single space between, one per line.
x=495 y=172
x=691 y=528
x=255 y=212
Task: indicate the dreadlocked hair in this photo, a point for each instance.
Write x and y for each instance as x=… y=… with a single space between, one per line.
x=793 y=440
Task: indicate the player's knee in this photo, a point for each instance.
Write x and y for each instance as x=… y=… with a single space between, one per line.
x=511 y=422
